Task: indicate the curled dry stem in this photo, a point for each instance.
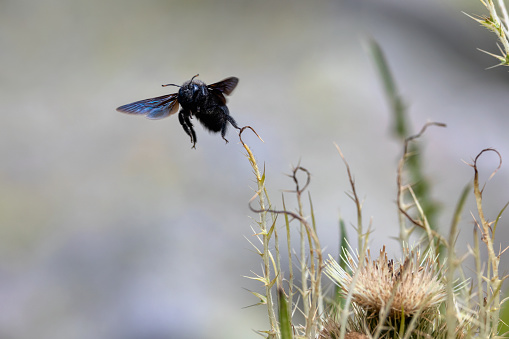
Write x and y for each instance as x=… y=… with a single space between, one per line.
x=315 y=270
x=478 y=194
x=492 y=276
x=252 y=129
x=356 y=200
x=402 y=207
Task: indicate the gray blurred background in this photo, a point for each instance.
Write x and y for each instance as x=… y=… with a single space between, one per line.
x=111 y=226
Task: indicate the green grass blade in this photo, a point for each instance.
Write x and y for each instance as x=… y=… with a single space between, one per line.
x=284 y=316
x=400 y=129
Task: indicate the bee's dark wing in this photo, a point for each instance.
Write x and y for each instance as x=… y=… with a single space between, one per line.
x=225 y=86
x=153 y=108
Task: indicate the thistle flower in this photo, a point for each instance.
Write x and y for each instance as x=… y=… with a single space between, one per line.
x=408 y=287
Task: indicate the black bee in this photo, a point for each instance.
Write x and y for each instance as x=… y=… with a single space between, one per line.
x=206 y=102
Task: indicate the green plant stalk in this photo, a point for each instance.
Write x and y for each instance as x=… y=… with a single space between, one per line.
x=284 y=316
x=453 y=264
x=504 y=317
x=399 y=129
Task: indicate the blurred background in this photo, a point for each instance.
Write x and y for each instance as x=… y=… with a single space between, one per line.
x=111 y=226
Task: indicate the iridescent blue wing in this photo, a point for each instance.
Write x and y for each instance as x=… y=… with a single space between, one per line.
x=153 y=108
x=225 y=86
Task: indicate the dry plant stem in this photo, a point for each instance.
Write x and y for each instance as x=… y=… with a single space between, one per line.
x=478 y=269
x=362 y=240
x=402 y=207
x=263 y=227
x=450 y=311
x=290 y=260
x=304 y=234
x=356 y=200
x=311 y=295
x=313 y=223
x=492 y=275
x=303 y=267
x=315 y=251
x=276 y=246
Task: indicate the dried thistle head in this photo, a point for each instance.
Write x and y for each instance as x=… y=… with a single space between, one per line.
x=332 y=330
x=410 y=286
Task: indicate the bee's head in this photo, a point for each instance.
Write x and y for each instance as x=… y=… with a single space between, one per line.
x=192 y=92
x=193 y=86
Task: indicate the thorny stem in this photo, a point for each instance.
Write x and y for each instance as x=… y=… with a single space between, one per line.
x=501 y=4
x=305 y=272
x=480 y=292
x=310 y=304
x=311 y=294
x=315 y=250
x=502 y=27
x=493 y=278
x=263 y=227
x=303 y=268
x=290 y=261
x=498 y=26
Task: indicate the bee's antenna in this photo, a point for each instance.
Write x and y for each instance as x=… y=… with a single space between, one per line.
x=179 y=85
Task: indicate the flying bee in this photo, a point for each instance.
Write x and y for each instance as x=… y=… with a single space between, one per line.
x=205 y=102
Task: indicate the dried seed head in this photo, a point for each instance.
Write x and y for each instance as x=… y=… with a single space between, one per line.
x=332 y=330
x=410 y=286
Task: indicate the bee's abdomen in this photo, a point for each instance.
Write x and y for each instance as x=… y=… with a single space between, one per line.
x=214 y=117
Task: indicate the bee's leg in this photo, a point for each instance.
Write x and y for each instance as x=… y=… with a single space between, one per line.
x=228 y=118
x=232 y=121
x=223 y=131
x=187 y=126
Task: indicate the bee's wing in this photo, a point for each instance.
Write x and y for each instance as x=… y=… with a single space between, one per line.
x=153 y=108
x=225 y=86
